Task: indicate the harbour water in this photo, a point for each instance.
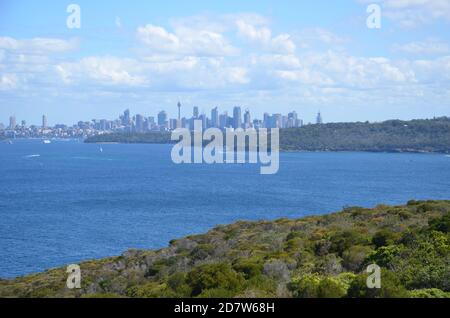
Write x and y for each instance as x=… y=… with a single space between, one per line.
x=67 y=201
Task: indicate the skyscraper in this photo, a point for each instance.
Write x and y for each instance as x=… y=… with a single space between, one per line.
x=12 y=122
x=223 y=120
x=162 y=119
x=319 y=119
x=126 y=118
x=215 y=118
x=195 y=113
x=266 y=120
x=178 y=123
x=139 y=123
x=44 y=121
x=247 y=119
x=237 y=117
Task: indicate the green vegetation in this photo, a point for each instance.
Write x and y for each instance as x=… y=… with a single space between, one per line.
x=316 y=256
x=132 y=138
x=390 y=136
x=431 y=135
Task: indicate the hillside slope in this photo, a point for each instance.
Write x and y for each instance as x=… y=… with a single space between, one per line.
x=317 y=256
x=424 y=135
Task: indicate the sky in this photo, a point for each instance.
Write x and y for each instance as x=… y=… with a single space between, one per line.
x=264 y=55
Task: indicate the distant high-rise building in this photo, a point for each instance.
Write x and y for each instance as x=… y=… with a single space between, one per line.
x=247 y=119
x=266 y=120
x=162 y=119
x=126 y=118
x=215 y=118
x=12 y=122
x=139 y=123
x=319 y=119
x=173 y=124
x=23 y=123
x=237 y=117
x=276 y=121
x=223 y=120
x=44 y=121
x=195 y=112
x=204 y=120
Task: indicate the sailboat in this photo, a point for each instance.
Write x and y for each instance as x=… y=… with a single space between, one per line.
x=101 y=149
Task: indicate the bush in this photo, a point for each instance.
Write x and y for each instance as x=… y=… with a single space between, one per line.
x=214 y=276
x=276 y=269
x=441 y=224
x=306 y=286
x=390 y=287
x=429 y=293
x=249 y=268
x=384 y=237
x=354 y=257
x=342 y=241
x=331 y=288
x=315 y=286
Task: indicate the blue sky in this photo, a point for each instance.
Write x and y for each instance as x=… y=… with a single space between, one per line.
x=268 y=56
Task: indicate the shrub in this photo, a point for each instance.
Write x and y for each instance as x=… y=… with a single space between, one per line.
x=390 y=287
x=354 y=257
x=342 y=241
x=441 y=224
x=214 y=276
x=250 y=268
x=306 y=286
x=276 y=269
x=331 y=288
x=429 y=293
x=384 y=237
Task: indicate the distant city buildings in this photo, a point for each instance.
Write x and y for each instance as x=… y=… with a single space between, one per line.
x=319 y=119
x=44 y=122
x=141 y=124
x=12 y=122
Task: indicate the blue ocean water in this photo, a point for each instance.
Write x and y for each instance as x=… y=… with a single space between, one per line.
x=67 y=201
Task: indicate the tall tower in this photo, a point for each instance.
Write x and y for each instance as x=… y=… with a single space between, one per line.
x=195 y=112
x=44 y=121
x=215 y=117
x=179 y=111
x=237 y=117
x=319 y=119
x=12 y=122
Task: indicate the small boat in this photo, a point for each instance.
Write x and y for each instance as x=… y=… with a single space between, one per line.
x=46 y=141
x=101 y=149
x=10 y=142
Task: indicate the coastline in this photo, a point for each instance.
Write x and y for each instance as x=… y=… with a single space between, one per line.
x=362 y=235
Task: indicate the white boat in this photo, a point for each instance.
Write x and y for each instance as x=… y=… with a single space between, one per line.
x=46 y=141
x=101 y=149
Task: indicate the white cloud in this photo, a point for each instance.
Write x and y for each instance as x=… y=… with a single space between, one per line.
x=411 y=13
x=8 y=81
x=263 y=35
x=313 y=37
x=185 y=41
x=105 y=70
x=429 y=46
x=38 y=45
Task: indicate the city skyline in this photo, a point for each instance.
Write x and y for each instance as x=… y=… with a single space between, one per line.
x=139 y=123
x=272 y=56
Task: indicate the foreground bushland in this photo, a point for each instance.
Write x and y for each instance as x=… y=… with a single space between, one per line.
x=317 y=256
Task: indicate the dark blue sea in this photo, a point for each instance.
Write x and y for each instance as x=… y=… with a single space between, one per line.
x=67 y=201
